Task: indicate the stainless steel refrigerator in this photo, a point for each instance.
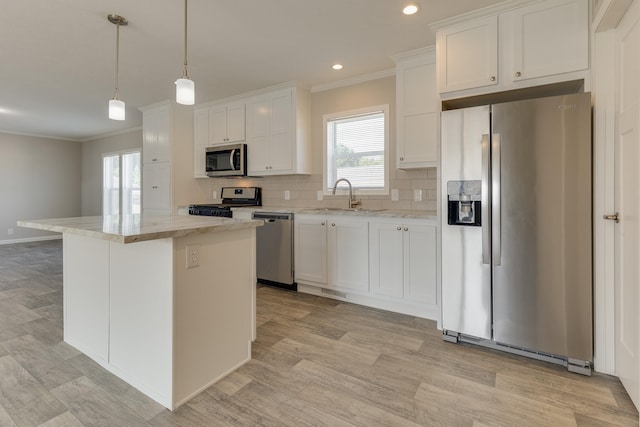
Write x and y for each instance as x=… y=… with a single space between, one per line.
x=517 y=228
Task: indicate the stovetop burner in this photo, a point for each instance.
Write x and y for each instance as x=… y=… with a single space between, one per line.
x=232 y=197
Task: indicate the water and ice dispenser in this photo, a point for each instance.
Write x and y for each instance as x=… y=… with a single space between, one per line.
x=463 y=203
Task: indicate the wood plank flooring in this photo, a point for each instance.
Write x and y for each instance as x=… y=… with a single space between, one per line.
x=316 y=362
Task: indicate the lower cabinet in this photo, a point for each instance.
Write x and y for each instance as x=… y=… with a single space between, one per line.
x=332 y=252
x=403 y=261
x=387 y=263
x=156 y=187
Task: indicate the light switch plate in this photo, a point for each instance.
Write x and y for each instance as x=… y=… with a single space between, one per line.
x=287 y=195
x=394 y=195
x=319 y=194
x=214 y=194
x=417 y=195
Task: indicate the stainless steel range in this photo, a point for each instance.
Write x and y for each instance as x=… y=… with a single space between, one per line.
x=232 y=197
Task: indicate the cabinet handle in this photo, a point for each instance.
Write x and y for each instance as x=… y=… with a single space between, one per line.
x=492 y=78
x=406 y=229
x=322 y=223
x=518 y=74
x=333 y=224
x=154 y=160
x=399 y=228
x=402 y=159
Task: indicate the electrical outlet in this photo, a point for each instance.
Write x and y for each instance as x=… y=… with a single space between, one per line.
x=287 y=195
x=214 y=194
x=394 y=195
x=193 y=256
x=10 y=232
x=319 y=194
x=417 y=195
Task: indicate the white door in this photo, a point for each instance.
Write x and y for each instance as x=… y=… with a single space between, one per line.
x=627 y=195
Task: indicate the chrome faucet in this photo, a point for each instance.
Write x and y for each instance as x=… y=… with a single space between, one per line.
x=352 y=201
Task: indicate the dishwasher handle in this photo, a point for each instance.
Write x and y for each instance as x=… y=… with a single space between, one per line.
x=271 y=216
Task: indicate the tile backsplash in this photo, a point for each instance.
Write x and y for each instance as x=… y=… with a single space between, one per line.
x=303 y=191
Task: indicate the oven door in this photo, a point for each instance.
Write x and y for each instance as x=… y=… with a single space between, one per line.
x=226 y=160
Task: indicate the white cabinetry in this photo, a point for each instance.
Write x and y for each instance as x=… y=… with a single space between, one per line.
x=403 y=262
x=540 y=43
x=311 y=249
x=347 y=259
x=468 y=55
x=332 y=252
x=388 y=263
x=156 y=159
x=418 y=118
x=216 y=124
x=278 y=132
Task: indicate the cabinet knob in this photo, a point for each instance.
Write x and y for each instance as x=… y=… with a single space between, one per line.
x=154 y=160
x=333 y=224
x=402 y=159
x=399 y=228
x=518 y=73
x=322 y=223
x=492 y=78
x=406 y=229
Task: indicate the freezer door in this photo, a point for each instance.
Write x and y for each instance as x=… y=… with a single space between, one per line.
x=466 y=279
x=541 y=184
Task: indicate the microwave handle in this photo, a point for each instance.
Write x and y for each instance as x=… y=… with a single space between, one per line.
x=231 y=159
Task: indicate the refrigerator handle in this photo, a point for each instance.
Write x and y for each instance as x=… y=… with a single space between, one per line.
x=484 y=204
x=495 y=200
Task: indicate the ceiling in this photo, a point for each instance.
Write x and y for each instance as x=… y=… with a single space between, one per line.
x=58 y=57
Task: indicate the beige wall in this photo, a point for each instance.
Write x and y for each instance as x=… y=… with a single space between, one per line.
x=39 y=178
x=92 y=151
x=303 y=189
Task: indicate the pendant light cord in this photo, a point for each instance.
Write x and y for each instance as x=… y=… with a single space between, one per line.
x=117 y=58
x=185 y=72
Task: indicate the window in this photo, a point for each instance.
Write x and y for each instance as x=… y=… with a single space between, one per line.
x=356 y=144
x=121 y=183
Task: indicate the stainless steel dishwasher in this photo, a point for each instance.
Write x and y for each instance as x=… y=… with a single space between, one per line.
x=274 y=249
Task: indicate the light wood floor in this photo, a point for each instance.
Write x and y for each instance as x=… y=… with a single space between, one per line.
x=316 y=362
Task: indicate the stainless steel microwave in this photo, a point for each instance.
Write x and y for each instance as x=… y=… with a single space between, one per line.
x=226 y=160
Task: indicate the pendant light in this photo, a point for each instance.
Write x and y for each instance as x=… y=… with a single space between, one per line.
x=185 y=87
x=116 y=105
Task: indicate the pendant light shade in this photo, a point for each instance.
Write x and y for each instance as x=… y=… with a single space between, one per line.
x=185 y=87
x=185 y=91
x=116 y=109
x=116 y=105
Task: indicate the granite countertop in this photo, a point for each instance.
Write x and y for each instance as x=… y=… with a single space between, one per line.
x=138 y=228
x=384 y=213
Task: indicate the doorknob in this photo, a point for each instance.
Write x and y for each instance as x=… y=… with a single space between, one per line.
x=615 y=217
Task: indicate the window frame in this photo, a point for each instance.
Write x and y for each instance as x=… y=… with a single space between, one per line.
x=326 y=118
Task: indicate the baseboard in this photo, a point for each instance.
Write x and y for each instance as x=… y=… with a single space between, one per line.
x=30 y=239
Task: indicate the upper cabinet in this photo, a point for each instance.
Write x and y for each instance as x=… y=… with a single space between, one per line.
x=418 y=108
x=468 y=55
x=157 y=186
x=278 y=132
x=542 y=42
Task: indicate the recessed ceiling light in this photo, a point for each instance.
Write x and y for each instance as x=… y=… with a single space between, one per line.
x=337 y=66
x=411 y=9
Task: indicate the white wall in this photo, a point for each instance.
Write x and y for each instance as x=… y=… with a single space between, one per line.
x=39 y=178
x=92 y=151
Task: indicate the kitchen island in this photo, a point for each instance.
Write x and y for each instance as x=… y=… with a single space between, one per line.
x=166 y=303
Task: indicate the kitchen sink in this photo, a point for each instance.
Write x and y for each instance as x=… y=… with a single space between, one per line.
x=350 y=210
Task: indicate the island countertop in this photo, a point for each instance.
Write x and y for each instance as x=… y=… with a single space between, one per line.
x=139 y=227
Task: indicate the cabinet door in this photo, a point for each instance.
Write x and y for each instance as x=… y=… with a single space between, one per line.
x=385 y=259
x=236 y=122
x=310 y=249
x=348 y=254
x=156 y=187
x=200 y=141
x=156 y=135
x=420 y=263
x=549 y=38
x=281 y=135
x=258 y=141
x=418 y=122
x=217 y=125
x=467 y=55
